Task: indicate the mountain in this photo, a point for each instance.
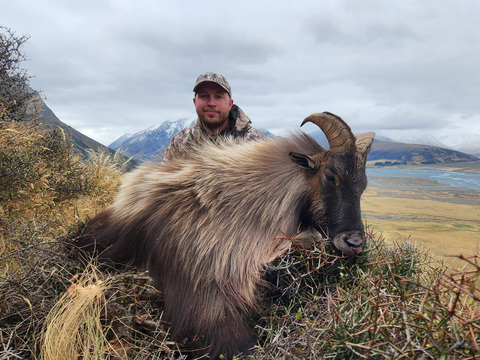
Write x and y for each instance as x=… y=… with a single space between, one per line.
x=423 y=140
x=81 y=142
x=467 y=143
x=389 y=153
x=151 y=142
x=117 y=143
x=392 y=153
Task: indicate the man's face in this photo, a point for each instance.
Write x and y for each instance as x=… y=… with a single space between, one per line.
x=212 y=104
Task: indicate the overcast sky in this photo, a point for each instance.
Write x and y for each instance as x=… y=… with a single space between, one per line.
x=399 y=68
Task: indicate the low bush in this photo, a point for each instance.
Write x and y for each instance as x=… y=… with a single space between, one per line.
x=392 y=302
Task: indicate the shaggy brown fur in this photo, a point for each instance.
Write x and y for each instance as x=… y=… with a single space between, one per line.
x=207 y=225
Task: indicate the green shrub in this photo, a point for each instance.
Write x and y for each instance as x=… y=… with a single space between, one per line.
x=390 y=303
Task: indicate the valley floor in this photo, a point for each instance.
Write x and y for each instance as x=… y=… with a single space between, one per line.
x=444 y=221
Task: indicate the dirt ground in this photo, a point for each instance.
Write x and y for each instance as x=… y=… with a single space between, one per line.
x=444 y=221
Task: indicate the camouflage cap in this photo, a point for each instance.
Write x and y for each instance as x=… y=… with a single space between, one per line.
x=215 y=78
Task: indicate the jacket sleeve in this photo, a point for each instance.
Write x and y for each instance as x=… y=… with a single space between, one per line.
x=254 y=134
x=175 y=147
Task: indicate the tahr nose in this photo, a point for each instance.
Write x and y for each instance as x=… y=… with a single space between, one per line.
x=353 y=239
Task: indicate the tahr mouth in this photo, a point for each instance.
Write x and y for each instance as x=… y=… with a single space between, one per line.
x=349 y=243
x=321 y=234
x=354 y=249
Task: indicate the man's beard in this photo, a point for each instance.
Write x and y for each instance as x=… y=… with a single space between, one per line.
x=212 y=123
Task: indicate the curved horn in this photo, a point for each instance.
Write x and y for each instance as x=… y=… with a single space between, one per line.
x=338 y=133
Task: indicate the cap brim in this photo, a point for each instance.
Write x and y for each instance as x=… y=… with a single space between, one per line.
x=213 y=82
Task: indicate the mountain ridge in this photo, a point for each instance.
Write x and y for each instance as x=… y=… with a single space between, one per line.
x=467 y=143
x=387 y=153
x=149 y=143
x=81 y=143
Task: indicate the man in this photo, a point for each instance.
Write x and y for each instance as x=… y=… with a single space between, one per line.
x=217 y=117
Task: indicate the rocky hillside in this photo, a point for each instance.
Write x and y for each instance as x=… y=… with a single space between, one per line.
x=81 y=142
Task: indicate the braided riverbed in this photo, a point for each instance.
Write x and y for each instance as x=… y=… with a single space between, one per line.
x=439 y=210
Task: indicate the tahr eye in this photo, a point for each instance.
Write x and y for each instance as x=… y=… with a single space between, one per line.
x=329 y=176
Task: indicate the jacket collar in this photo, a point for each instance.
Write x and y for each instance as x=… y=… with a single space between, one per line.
x=238 y=123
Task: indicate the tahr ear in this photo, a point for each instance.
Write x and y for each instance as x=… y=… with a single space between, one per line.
x=301 y=160
x=364 y=143
x=309 y=162
x=304 y=161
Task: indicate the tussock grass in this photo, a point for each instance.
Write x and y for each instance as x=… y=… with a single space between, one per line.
x=41 y=173
x=74 y=328
x=46 y=189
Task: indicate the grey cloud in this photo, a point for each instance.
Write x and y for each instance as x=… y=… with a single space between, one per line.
x=108 y=67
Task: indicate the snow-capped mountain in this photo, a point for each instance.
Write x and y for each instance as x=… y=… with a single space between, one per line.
x=117 y=143
x=469 y=144
x=151 y=142
x=420 y=140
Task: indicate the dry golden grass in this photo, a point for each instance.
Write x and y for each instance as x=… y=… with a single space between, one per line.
x=45 y=182
x=47 y=191
x=74 y=328
x=440 y=223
